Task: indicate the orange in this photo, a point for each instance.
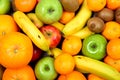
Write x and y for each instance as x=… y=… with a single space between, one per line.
x=80 y=2
x=16 y=50
x=74 y=75
x=94 y=77
x=62 y=77
x=72 y=45
x=24 y=5
x=66 y=17
x=64 y=63
x=111 y=30
x=7 y=25
x=112 y=62
x=113 y=48
x=96 y=5
x=23 y=73
x=113 y=4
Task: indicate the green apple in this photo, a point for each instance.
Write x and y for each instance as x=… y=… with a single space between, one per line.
x=4 y=6
x=94 y=46
x=49 y=11
x=44 y=69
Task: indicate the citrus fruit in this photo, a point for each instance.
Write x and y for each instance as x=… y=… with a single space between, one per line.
x=67 y=16
x=24 y=5
x=113 y=48
x=111 y=30
x=72 y=45
x=62 y=77
x=112 y=62
x=80 y=2
x=96 y=5
x=94 y=77
x=64 y=63
x=7 y=25
x=16 y=50
x=23 y=73
x=112 y=4
x=74 y=75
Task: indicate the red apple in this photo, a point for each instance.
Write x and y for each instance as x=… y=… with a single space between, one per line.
x=36 y=53
x=52 y=34
x=38 y=0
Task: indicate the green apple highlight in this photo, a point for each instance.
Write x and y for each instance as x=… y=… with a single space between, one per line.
x=44 y=69
x=49 y=11
x=4 y=6
x=94 y=46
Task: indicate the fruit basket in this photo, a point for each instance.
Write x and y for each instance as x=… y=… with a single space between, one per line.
x=59 y=40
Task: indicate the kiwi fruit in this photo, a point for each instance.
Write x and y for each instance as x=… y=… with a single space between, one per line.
x=95 y=24
x=106 y=14
x=117 y=15
x=70 y=5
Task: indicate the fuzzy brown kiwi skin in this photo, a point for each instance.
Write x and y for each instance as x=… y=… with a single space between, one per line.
x=106 y=14
x=95 y=24
x=70 y=5
x=117 y=15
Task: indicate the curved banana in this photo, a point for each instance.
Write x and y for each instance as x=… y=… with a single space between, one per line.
x=96 y=67
x=58 y=25
x=35 y=20
x=31 y=30
x=79 y=21
x=56 y=51
x=83 y=33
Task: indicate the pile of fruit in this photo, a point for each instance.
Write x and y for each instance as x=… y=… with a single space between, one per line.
x=60 y=40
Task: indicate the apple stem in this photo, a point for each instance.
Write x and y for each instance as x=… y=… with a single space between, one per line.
x=51 y=11
x=47 y=68
x=93 y=46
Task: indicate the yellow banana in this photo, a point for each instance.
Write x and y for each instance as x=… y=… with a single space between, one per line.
x=31 y=30
x=56 y=51
x=79 y=21
x=35 y=20
x=58 y=25
x=83 y=33
x=96 y=67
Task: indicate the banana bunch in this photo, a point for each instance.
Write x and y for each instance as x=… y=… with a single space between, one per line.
x=99 y=68
x=79 y=21
x=58 y=25
x=83 y=33
x=35 y=20
x=56 y=51
x=31 y=30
